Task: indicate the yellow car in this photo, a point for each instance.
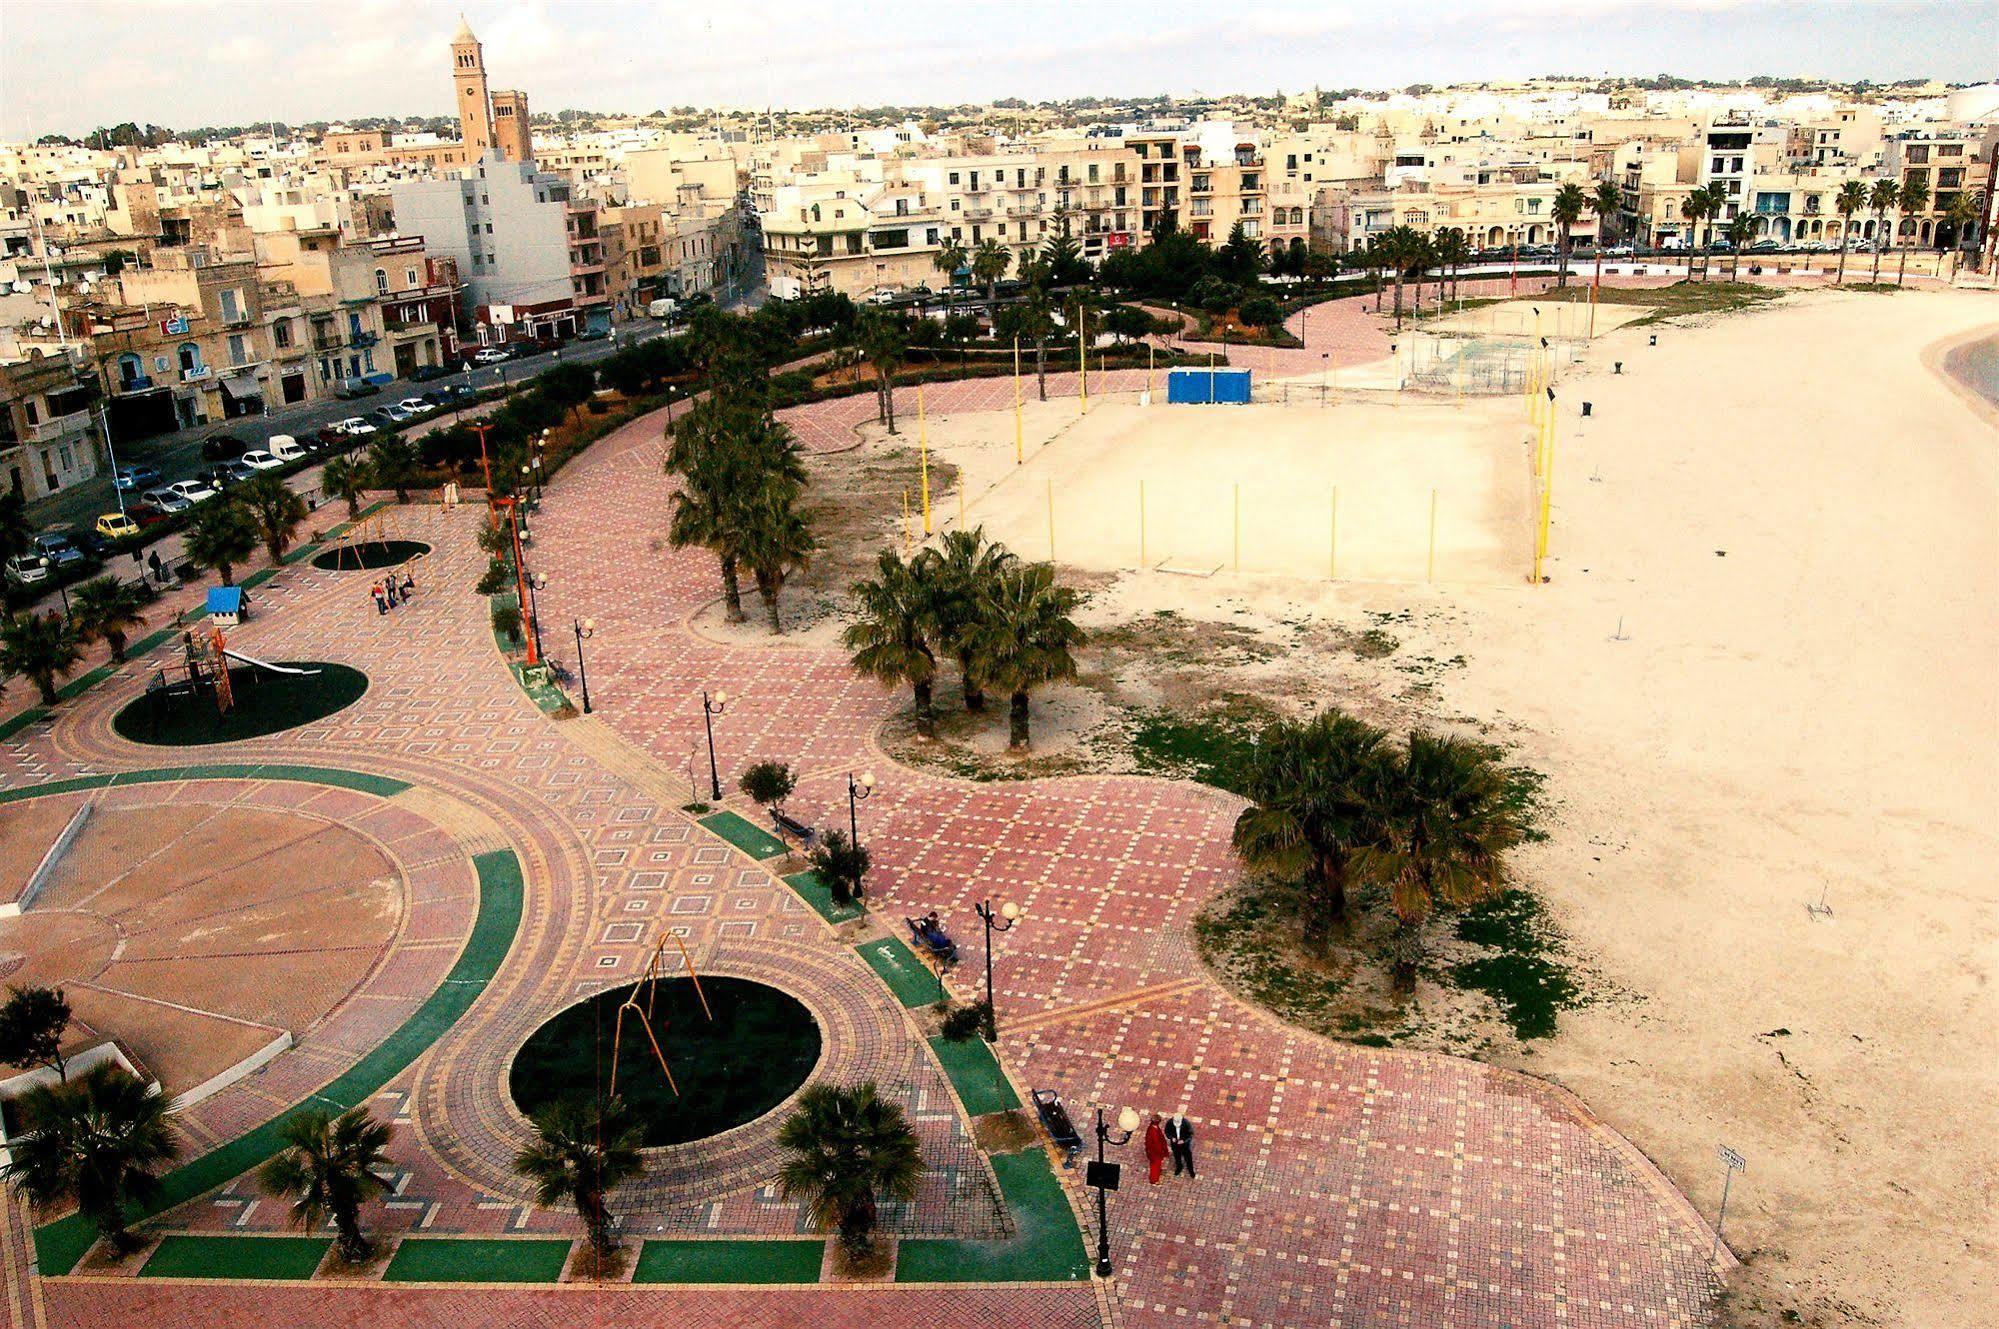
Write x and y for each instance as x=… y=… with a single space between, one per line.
x=116 y=526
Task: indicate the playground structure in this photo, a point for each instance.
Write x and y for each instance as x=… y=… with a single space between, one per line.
x=384 y=538
x=204 y=671
x=650 y=983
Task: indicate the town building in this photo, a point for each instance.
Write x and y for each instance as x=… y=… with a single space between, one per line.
x=49 y=432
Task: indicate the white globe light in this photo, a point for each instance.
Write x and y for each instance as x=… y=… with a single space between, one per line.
x=721 y=699
x=867 y=779
x=1127 y=1120
x=1010 y=911
x=589 y=625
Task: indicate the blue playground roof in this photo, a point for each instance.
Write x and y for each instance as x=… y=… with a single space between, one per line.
x=225 y=599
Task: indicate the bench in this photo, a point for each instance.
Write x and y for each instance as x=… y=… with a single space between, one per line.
x=792 y=826
x=943 y=955
x=1055 y=1120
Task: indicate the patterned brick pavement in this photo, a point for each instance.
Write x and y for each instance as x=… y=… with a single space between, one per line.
x=1341 y=1185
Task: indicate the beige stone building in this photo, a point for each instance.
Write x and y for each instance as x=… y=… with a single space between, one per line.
x=49 y=433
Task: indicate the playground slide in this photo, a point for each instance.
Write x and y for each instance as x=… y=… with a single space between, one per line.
x=240 y=658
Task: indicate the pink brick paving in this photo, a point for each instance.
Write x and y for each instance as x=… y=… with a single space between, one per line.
x=1341 y=1185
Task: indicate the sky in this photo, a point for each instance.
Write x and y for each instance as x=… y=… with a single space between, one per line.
x=69 y=65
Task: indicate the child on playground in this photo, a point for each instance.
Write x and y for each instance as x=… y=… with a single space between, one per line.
x=381 y=605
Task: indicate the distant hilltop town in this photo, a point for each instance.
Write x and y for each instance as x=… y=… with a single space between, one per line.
x=184 y=282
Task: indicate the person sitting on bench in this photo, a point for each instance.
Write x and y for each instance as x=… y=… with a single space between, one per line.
x=930 y=930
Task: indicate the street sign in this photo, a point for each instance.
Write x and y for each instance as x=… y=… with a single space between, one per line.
x=1733 y=1161
x=1103 y=1176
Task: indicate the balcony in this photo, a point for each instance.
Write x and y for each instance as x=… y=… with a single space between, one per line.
x=76 y=422
x=136 y=383
x=196 y=374
x=361 y=339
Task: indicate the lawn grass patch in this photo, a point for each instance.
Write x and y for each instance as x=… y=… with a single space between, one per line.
x=187 y=1256
x=783 y=1260
x=1523 y=975
x=477 y=1260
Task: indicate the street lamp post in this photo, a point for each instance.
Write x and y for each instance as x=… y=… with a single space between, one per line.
x=710 y=708
x=857 y=791
x=996 y=920
x=585 y=629
x=1103 y=1178
x=536 y=582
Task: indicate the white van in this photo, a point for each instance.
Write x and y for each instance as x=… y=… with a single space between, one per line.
x=286 y=448
x=662 y=309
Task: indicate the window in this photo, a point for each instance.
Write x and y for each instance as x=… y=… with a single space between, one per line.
x=231 y=310
x=954 y=177
x=409 y=277
x=281 y=333
x=381 y=282
x=190 y=357
x=239 y=349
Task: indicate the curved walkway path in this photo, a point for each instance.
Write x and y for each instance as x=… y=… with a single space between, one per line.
x=1339 y=1183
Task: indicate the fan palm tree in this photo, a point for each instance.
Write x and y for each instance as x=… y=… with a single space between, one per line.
x=584 y=1148
x=883 y=340
x=96 y=1140
x=1962 y=214
x=221 y=534
x=1606 y=203
x=990 y=262
x=947 y=261
x=328 y=1168
x=889 y=635
x=1026 y=638
x=1396 y=250
x=1316 y=792
x=393 y=463
x=346 y=478
x=1422 y=257
x=1568 y=208
x=105 y=607
x=1740 y=231
x=1038 y=320
x=1448 y=819
x=1453 y=251
x=846 y=1147
x=1915 y=197
x=960 y=572
x=776 y=539
x=1851 y=198
x=40 y=647
x=277 y=510
x=1882 y=198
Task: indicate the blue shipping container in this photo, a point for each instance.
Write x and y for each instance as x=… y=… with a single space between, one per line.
x=1201 y=387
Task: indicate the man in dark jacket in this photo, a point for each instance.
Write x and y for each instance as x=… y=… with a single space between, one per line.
x=1180 y=1139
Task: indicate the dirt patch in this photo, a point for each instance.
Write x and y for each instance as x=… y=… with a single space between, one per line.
x=1005 y=1132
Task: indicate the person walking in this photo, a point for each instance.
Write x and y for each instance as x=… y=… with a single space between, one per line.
x=381 y=605
x=1155 y=1147
x=409 y=585
x=389 y=585
x=1180 y=1136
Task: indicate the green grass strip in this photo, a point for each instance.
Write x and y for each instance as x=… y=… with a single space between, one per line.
x=477 y=1260
x=745 y=835
x=975 y=1073
x=380 y=785
x=907 y=977
x=16 y=724
x=182 y=1256
x=1047 y=1245
x=725 y=1261
x=815 y=893
x=59 y=1245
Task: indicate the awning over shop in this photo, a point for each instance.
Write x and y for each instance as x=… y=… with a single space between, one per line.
x=243 y=387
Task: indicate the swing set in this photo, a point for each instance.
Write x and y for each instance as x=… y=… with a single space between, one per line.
x=654 y=971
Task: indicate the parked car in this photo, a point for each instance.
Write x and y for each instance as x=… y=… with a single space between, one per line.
x=286 y=448
x=56 y=547
x=145 y=514
x=194 y=491
x=353 y=426
x=136 y=476
x=354 y=388
x=416 y=405
x=260 y=460
x=491 y=355
x=425 y=373
x=221 y=447
x=391 y=416
x=1765 y=246
x=94 y=545
x=221 y=477
x=239 y=471
x=117 y=526
x=166 y=500
x=27 y=569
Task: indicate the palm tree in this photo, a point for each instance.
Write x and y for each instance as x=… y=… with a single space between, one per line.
x=329 y=1167
x=1453 y=251
x=1607 y=202
x=1740 y=231
x=960 y=572
x=1569 y=206
x=888 y=636
x=1316 y=792
x=1025 y=638
x=727 y=452
x=1397 y=246
x=221 y=534
x=96 y=1140
x=1851 y=198
x=776 y=539
x=17 y=533
x=883 y=339
x=947 y=261
x=989 y=263
x=107 y=607
x=1038 y=320
x=847 y=1146
x=1962 y=213
x=584 y=1148
x=1882 y=198
x=41 y=647
x=1915 y=196
x=277 y=509
x=346 y=478
x=1422 y=257
x=1449 y=817
x=393 y=462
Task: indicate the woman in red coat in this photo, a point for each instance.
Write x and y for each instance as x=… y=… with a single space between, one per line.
x=1155 y=1146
